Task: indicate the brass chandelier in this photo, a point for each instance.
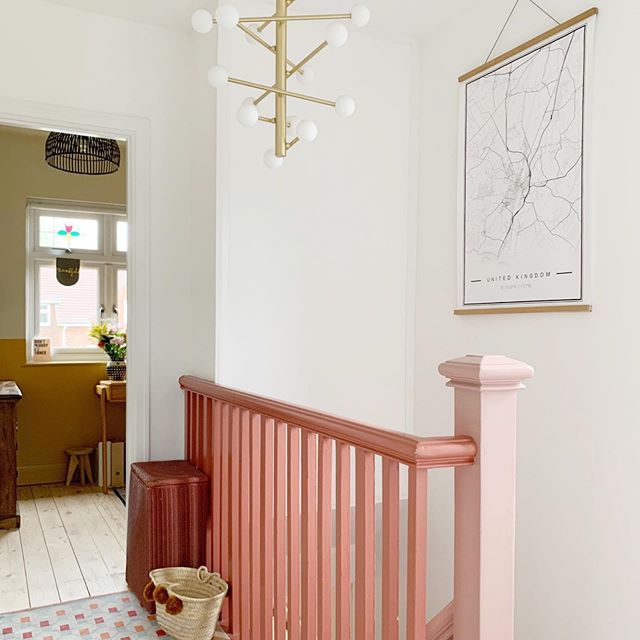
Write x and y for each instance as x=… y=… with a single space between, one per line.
x=288 y=131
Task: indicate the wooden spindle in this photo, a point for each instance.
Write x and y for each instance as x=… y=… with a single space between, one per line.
x=309 y=535
x=207 y=460
x=293 y=537
x=245 y=529
x=390 y=550
x=256 y=525
x=187 y=425
x=225 y=504
x=417 y=555
x=280 y=558
x=325 y=530
x=343 y=542
x=365 y=546
x=216 y=486
x=236 y=577
x=200 y=435
x=267 y=538
x=194 y=428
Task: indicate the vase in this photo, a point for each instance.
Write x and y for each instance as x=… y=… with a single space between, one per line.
x=117 y=370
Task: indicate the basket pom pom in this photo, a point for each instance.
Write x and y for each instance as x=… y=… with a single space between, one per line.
x=148 y=592
x=160 y=595
x=174 y=606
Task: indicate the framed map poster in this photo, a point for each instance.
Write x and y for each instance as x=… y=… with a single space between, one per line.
x=523 y=237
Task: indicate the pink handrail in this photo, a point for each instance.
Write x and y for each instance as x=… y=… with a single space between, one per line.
x=424 y=453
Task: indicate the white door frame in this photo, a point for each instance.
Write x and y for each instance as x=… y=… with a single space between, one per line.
x=136 y=132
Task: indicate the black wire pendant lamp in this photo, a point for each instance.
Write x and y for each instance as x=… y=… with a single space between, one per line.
x=82 y=154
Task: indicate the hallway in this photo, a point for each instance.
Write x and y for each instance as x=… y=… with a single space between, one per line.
x=71 y=545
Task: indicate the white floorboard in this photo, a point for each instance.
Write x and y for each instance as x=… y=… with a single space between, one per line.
x=71 y=545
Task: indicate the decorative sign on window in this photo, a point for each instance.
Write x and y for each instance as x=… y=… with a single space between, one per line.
x=41 y=349
x=67 y=271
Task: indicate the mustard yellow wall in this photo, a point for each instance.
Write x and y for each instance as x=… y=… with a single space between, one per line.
x=59 y=408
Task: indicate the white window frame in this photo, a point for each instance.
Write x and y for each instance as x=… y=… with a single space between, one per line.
x=106 y=259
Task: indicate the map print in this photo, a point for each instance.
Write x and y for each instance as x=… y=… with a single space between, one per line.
x=523 y=172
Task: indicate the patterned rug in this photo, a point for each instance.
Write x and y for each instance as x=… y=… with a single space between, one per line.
x=114 y=617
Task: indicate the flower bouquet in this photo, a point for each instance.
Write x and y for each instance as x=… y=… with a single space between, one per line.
x=112 y=339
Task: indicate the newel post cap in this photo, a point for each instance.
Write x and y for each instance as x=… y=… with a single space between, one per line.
x=497 y=373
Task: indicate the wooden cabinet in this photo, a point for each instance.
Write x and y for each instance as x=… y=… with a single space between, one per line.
x=9 y=397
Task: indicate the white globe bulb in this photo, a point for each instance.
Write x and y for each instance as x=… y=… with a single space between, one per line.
x=292 y=125
x=336 y=34
x=272 y=160
x=306 y=75
x=247 y=115
x=227 y=16
x=248 y=101
x=345 y=106
x=217 y=77
x=360 y=16
x=202 y=21
x=307 y=131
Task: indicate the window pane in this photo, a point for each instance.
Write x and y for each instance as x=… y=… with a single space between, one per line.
x=72 y=310
x=68 y=233
x=45 y=315
x=122 y=236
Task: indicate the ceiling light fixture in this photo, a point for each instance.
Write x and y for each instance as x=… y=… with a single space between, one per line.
x=228 y=17
x=85 y=155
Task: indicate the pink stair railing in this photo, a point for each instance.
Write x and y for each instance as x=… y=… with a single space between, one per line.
x=280 y=528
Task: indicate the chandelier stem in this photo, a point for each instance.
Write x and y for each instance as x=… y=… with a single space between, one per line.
x=281 y=79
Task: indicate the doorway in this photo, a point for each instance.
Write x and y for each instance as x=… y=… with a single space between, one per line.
x=118 y=277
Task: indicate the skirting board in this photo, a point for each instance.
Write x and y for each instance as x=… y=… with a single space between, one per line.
x=565 y=308
x=41 y=474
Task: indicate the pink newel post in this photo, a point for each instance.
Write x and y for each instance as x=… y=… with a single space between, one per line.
x=485 y=409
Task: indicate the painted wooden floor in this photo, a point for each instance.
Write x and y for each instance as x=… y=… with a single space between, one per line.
x=71 y=545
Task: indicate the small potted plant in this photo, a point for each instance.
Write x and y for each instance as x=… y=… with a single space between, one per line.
x=112 y=339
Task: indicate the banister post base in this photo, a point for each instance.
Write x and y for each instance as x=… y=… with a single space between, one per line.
x=485 y=409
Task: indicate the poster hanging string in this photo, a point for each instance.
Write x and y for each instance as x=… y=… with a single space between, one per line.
x=506 y=22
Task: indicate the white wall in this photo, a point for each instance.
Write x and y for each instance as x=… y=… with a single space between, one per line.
x=57 y=55
x=578 y=558
x=314 y=256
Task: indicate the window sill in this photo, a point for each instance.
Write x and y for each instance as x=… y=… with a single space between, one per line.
x=52 y=363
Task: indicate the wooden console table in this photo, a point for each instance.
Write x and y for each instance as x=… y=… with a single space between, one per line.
x=10 y=395
x=109 y=391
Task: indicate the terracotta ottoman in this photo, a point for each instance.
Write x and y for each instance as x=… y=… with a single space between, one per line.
x=168 y=509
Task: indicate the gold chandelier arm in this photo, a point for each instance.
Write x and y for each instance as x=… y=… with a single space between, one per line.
x=310 y=56
x=293 y=142
x=257 y=38
x=280 y=92
x=294 y=69
x=264 y=43
x=318 y=16
x=268 y=120
x=266 y=23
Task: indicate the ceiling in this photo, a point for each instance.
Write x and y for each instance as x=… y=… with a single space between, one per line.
x=416 y=18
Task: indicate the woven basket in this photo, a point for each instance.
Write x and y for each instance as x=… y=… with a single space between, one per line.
x=201 y=594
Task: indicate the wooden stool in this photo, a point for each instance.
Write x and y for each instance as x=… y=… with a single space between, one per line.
x=79 y=459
